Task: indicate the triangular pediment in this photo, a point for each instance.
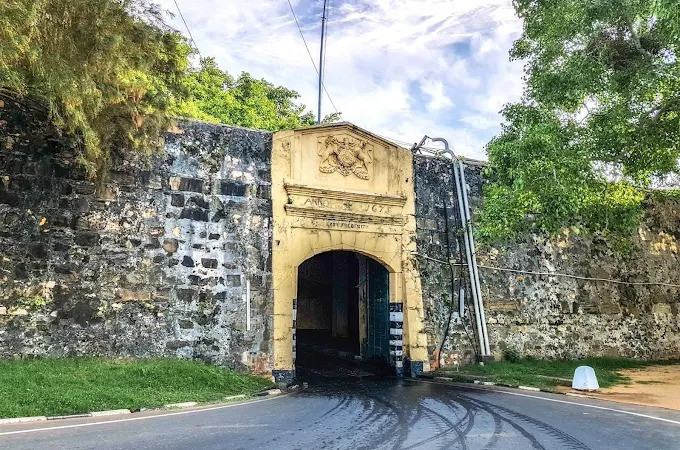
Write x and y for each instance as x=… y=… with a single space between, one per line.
x=350 y=129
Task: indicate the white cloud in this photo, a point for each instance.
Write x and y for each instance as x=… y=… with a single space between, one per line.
x=401 y=68
x=479 y=122
x=438 y=99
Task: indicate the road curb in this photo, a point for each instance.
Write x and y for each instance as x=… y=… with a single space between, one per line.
x=117 y=412
x=110 y=412
x=69 y=416
x=180 y=405
x=22 y=420
x=490 y=383
x=529 y=388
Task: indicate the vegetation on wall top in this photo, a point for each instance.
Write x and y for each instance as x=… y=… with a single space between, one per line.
x=216 y=96
x=113 y=75
x=107 y=71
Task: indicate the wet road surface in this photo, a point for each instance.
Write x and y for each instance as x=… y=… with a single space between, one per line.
x=372 y=413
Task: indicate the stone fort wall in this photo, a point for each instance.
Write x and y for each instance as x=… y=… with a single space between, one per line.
x=552 y=316
x=154 y=263
x=157 y=261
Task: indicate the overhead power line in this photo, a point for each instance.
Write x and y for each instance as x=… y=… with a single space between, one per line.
x=407 y=144
x=188 y=30
x=311 y=58
x=557 y=274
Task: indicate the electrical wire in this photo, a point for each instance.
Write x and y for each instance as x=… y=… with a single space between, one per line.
x=558 y=274
x=452 y=280
x=461 y=280
x=409 y=144
x=311 y=58
x=188 y=30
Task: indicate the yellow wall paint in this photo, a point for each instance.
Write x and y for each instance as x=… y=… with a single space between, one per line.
x=338 y=187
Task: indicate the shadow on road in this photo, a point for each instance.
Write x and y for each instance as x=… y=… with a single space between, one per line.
x=317 y=366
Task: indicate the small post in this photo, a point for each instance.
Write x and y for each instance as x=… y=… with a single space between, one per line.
x=247 y=305
x=323 y=42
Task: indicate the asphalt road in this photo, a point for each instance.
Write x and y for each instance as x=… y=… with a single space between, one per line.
x=371 y=413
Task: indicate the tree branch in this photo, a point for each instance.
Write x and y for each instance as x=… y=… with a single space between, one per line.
x=670 y=105
x=636 y=38
x=16 y=98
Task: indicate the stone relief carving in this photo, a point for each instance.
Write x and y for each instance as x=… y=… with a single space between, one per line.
x=345 y=156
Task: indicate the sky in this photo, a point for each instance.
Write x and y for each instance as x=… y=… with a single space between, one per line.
x=398 y=68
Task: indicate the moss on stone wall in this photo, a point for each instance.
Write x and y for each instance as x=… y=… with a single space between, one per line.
x=549 y=316
x=155 y=263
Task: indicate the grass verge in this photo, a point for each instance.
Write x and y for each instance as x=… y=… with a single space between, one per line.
x=546 y=374
x=60 y=386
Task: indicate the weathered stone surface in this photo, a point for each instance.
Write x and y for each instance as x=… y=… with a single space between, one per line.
x=548 y=316
x=106 y=272
x=156 y=261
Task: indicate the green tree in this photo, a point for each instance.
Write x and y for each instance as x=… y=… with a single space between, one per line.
x=107 y=71
x=245 y=101
x=603 y=90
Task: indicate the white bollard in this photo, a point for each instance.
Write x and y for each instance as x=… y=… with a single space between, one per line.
x=585 y=379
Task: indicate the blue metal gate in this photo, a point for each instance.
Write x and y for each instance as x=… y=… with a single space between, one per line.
x=378 y=313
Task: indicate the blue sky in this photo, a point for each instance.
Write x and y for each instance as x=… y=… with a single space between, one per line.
x=399 y=68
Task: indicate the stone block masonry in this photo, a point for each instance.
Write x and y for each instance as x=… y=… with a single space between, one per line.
x=551 y=316
x=153 y=263
x=157 y=260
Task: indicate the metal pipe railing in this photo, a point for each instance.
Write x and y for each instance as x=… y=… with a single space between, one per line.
x=471 y=256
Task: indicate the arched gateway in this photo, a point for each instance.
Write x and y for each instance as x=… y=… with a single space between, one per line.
x=341 y=188
x=343 y=309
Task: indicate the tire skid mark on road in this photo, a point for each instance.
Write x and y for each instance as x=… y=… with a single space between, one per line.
x=418 y=415
x=396 y=432
x=346 y=424
x=426 y=414
x=352 y=423
x=523 y=431
x=302 y=421
x=423 y=413
x=451 y=427
x=566 y=439
x=371 y=414
x=497 y=430
x=342 y=404
x=553 y=400
x=470 y=412
x=468 y=418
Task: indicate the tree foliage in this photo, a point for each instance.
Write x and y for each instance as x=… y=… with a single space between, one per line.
x=107 y=71
x=245 y=101
x=603 y=90
x=113 y=75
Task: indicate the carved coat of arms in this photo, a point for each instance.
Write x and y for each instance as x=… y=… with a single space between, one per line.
x=345 y=156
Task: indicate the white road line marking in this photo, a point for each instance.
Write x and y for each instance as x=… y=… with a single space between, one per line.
x=132 y=419
x=676 y=422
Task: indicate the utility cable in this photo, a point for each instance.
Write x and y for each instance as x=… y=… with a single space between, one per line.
x=410 y=144
x=188 y=30
x=558 y=274
x=311 y=58
x=452 y=281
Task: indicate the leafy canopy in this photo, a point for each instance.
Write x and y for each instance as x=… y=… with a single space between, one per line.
x=113 y=75
x=107 y=71
x=603 y=91
x=217 y=97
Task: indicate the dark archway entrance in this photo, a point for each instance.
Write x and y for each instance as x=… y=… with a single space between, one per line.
x=342 y=312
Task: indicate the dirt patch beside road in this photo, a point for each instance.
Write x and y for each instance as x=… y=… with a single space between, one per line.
x=651 y=386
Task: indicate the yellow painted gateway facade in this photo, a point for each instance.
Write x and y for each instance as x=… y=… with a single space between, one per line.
x=341 y=188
